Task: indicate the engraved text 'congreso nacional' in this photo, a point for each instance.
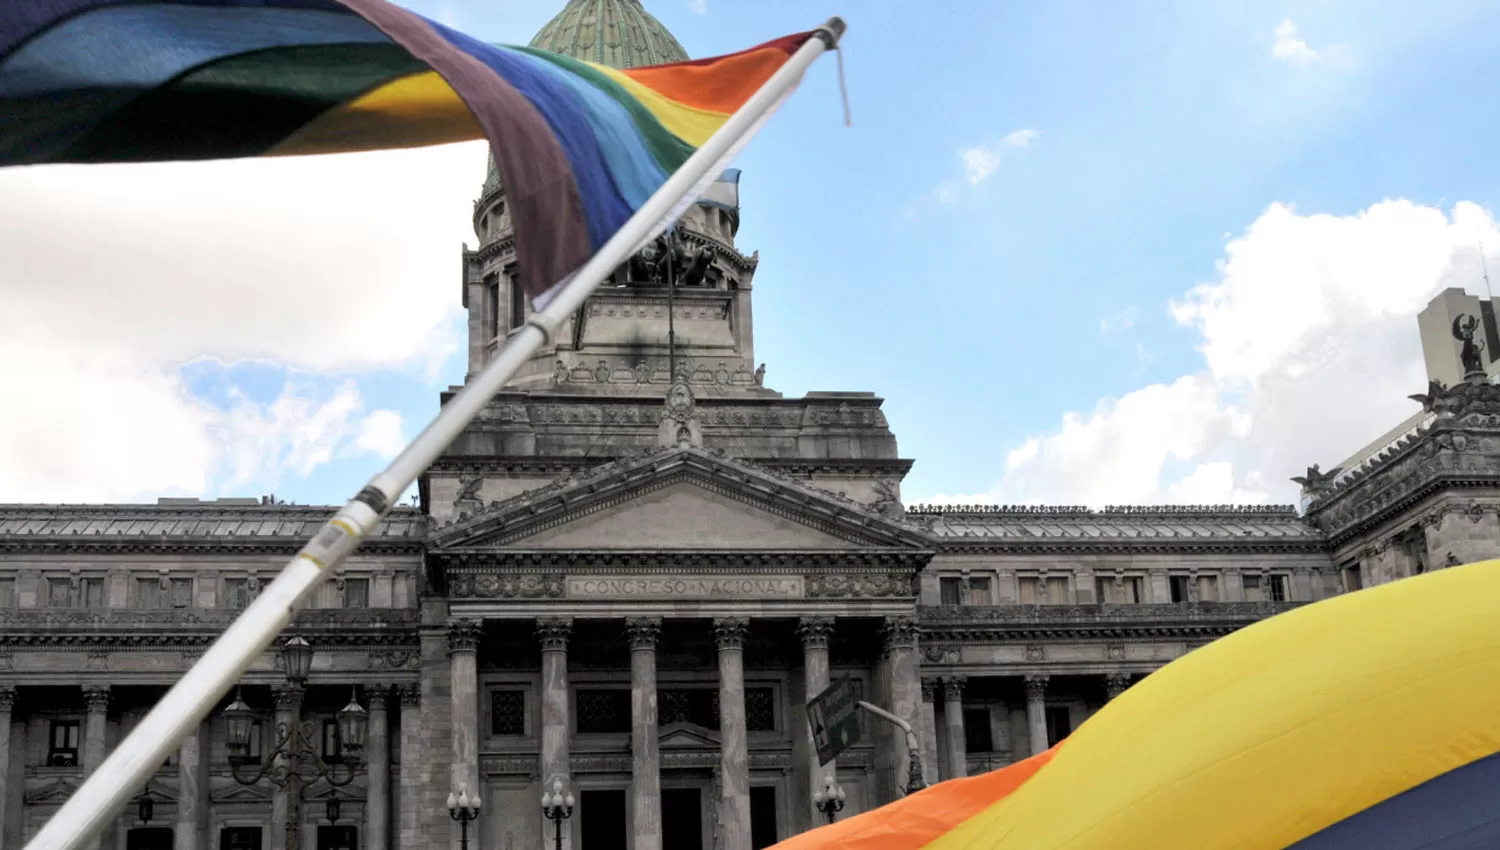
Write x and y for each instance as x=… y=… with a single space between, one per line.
x=667 y=587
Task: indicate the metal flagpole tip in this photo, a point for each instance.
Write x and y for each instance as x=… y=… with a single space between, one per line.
x=832 y=31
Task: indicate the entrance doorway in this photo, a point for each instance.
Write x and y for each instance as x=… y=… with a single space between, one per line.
x=149 y=838
x=681 y=819
x=239 y=838
x=601 y=820
x=762 y=817
x=337 y=838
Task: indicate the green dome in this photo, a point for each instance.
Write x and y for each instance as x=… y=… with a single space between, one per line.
x=617 y=33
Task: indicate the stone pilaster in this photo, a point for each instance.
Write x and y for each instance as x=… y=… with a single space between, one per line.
x=1116 y=684
x=409 y=815
x=953 y=716
x=816 y=632
x=553 y=633
x=931 y=766
x=288 y=701
x=1036 y=712
x=7 y=703
x=378 y=785
x=463 y=668
x=192 y=791
x=645 y=780
x=906 y=691
x=734 y=764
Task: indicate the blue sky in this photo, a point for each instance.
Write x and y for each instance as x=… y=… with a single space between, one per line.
x=1004 y=246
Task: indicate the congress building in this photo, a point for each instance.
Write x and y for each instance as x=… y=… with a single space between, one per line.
x=630 y=573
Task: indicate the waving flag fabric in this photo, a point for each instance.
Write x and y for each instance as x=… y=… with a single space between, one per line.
x=580 y=147
x=1370 y=720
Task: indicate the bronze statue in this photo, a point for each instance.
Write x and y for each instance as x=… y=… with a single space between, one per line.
x=1316 y=480
x=1463 y=330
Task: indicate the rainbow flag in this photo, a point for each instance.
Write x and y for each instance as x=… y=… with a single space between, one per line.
x=1369 y=720
x=580 y=147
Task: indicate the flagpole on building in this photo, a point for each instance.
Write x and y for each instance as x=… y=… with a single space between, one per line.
x=104 y=794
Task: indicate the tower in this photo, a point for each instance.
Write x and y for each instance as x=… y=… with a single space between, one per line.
x=623 y=339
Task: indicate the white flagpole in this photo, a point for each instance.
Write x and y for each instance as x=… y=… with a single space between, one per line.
x=138 y=757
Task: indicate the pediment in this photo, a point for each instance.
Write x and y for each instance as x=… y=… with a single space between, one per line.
x=679 y=498
x=683 y=735
x=237 y=793
x=52 y=791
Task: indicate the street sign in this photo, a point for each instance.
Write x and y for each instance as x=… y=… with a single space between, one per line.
x=834 y=718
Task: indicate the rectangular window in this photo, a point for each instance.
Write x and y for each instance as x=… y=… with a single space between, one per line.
x=508 y=712
x=332 y=752
x=1254 y=588
x=1125 y=591
x=93 y=593
x=1059 y=724
x=62 y=749
x=148 y=593
x=59 y=593
x=760 y=710
x=1278 y=588
x=1208 y=588
x=255 y=748
x=7 y=593
x=1179 y=587
x=950 y=590
x=517 y=301
x=492 y=306
x=236 y=593
x=182 y=593
x=979 y=592
x=1028 y=591
x=977 y=737
x=1351 y=577
x=1057 y=591
x=357 y=593
x=604 y=712
x=239 y=838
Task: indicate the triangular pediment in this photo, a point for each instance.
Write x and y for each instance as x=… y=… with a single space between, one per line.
x=54 y=791
x=237 y=793
x=683 y=735
x=679 y=498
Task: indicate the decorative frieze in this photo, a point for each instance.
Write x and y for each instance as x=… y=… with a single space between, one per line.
x=506 y=586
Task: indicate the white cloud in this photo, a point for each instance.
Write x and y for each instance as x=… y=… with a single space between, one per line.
x=1121 y=321
x=699 y=6
x=1310 y=347
x=381 y=434
x=112 y=277
x=1292 y=49
x=981 y=161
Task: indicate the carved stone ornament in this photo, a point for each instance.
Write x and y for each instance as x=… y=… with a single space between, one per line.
x=411 y=695
x=929 y=688
x=1115 y=652
x=859 y=586
x=643 y=632
x=379 y=697
x=1116 y=684
x=553 y=633
x=953 y=688
x=7 y=699
x=1036 y=688
x=1475 y=512
x=463 y=636
x=467 y=502
x=900 y=633
x=287 y=696
x=513 y=586
x=815 y=632
x=1036 y=653
x=729 y=632
x=96 y=698
x=938 y=654
x=395 y=659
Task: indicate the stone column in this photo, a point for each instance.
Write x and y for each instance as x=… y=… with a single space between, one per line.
x=930 y=764
x=906 y=691
x=1036 y=712
x=816 y=633
x=7 y=702
x=553 y=632
x=192 y=796
x=96 y=698
x=734 y=811
x=378 y=784
x=645 y=766
x=288 y=700
x=463 y=653
x=1116 y=684
x=953 y=715
x=409 y=815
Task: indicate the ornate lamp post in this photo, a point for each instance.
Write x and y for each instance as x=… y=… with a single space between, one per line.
x=294 y=761
x=557 y=808
x=463 y=808
x=830 y=798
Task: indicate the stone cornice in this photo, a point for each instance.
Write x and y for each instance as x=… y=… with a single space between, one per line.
x=132 y=630
x=491 y=561
x=944 y=626
x=1067 y=545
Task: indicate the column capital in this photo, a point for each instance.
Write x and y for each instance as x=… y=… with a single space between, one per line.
x=900 y=633
x=1036 y=687
x=953 y=688
x=411 y=695
x=729 y=632
x=929 y=688
x=287 y=696
x=7 y=698
x=1116 y=684
x=815 y=632
x=96 y=697
x=642 y=633
x=379 y=696
x=554 y=632
x=463 y=635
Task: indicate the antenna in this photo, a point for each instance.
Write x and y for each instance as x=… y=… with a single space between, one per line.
x=1486 y=267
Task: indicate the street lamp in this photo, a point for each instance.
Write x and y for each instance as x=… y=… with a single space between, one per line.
x=557 y=808
x=829 y=799
x=294 y=761
x=463 y=808
x=145 y=806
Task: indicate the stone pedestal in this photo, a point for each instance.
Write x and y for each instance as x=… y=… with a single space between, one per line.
x=378 y=782
x=815 y=632
x=463 y=649
x=734 y=764
x=953 y=715
x=95 y=727
x=7 y=702
x=1036 y=712
x=192 y=791
x=553 y=633
x=931 y=766
x=645 y=780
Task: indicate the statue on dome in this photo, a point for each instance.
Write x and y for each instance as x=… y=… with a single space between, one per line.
x=1464 y=327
